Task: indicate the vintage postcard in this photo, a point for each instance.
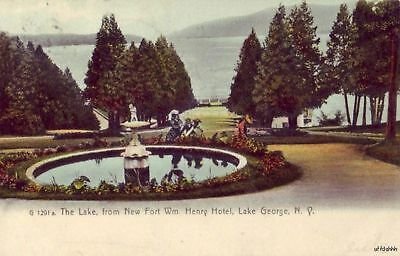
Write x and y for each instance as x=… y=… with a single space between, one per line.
x=184 y=127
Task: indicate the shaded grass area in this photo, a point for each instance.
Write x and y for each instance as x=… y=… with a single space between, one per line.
x=376 y=129
x=314 y=139
x=254 y=183
x=386 y=151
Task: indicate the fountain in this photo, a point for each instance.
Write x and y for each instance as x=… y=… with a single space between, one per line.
x=136 y=157
x=137 y=164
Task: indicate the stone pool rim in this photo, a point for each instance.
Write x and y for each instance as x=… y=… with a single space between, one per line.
x=30 y=172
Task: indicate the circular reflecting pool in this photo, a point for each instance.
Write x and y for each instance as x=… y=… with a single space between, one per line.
x=164 y=164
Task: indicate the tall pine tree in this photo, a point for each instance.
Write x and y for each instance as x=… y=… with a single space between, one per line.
x=340 y=57
x=277 y=90
x=35 y=94
x=101 y=78
x=240 y=98
x=184 y=98
x=303 y=36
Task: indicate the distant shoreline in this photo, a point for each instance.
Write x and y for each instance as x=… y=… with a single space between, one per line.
x=49 y=40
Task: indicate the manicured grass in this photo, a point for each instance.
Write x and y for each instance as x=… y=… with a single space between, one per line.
x=213 y=119
x=386 y=151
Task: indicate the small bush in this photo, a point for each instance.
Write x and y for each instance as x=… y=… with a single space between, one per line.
x=336 y=120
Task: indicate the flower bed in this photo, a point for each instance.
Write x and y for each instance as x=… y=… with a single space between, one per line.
x=264 y=170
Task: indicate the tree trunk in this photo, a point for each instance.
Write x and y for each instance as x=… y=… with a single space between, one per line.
x=364 y=118
x=346 y=102
x=117 y=121
x=356 y=109
x=374 y=110
x=392 y=105
x=113 y=122
x=110 y=120
x=381 y=108
x=292 y=121
x=267 y=122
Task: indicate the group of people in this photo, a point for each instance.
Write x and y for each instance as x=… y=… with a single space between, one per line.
x=180 y=128
x=189 y=127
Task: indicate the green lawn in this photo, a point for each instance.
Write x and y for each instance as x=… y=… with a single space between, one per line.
x=213 y=119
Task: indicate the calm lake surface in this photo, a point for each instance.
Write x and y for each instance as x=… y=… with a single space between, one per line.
x=210 y=63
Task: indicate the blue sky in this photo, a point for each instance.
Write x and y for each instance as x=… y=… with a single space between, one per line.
x=148 y=18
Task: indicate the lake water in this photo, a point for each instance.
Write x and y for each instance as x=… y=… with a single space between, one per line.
x=210 y=63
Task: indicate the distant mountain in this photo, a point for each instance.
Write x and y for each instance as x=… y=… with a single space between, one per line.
x=46 y=40
x=324 y=15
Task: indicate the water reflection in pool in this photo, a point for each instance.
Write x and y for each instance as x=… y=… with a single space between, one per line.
x=170 y=167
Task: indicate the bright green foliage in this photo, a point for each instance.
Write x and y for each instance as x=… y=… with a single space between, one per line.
x=240 y=99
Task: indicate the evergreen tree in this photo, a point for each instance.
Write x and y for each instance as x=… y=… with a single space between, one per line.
x=102 y=76
x=78 y=114
x=178 y=93
x=18 y=82
x=303 y=36
x=340 y=57
x=166 y=78
x=154 y=80
x=369 y=60
x=240 y=98
x=387 y=27
x=5 y=57
x=49 y=91
x=35 y=94
x=184 y=98
x=277 y=90
x=129 y=73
